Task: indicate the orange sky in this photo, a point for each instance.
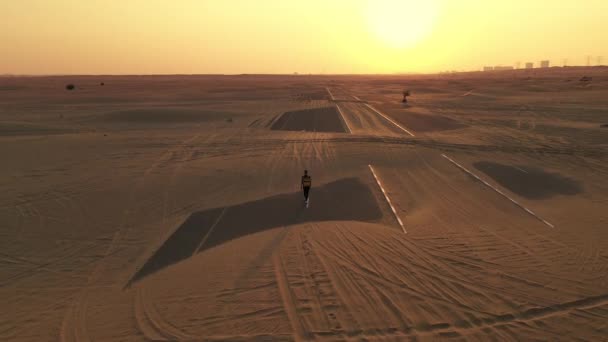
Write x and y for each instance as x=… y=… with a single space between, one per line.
x=281 y=36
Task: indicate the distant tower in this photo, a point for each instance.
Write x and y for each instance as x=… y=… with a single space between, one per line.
x=599 y=60
x=529 y=65
x=565 y=62
x=517 y=65
x=544 y=64
x=588 y=60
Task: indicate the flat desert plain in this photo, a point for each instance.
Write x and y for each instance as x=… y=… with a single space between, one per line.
x=169 y=207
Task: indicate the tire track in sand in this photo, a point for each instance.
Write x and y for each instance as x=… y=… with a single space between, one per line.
x=73 y=327
x=287 y=298
x=151 y=323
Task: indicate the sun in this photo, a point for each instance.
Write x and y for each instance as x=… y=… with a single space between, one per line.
x=402 y=23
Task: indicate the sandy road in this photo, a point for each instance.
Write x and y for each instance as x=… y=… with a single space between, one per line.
x=388 y=200
x=364 y=121
x=361 y=118
x=384 y=116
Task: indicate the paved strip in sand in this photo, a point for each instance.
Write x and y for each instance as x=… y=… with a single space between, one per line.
x=344 y=119
x=388 y=200
x=498 y=191
x=331 y=96
x=219 y=218
x=520 y=169
x=390 y=120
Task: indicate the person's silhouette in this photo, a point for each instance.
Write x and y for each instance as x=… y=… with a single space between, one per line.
x=306 y=184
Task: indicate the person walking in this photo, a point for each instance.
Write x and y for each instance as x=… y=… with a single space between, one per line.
x=306 y=184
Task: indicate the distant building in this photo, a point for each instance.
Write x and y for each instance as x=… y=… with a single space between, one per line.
x=529 y=65
x=487 y=68
x=501 y=68
x=544 y=64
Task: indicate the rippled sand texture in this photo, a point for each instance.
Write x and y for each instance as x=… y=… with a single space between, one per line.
x=169 y=207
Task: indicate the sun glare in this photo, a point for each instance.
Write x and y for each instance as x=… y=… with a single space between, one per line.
x=402 y=23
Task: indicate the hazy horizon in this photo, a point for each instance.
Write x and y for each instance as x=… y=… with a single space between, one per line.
x=277 y=37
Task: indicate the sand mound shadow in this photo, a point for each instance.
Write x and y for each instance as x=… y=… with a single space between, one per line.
x=346 y=199
x=313 y=120
x=532 y=183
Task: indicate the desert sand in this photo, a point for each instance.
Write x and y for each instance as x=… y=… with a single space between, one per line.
x=169 y=207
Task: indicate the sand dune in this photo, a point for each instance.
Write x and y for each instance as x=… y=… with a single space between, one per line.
x=169 y=208
x=346 y=199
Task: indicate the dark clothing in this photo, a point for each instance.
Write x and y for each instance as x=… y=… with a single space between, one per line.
x=306 y=181
x=306 y=184
x=306 y=191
